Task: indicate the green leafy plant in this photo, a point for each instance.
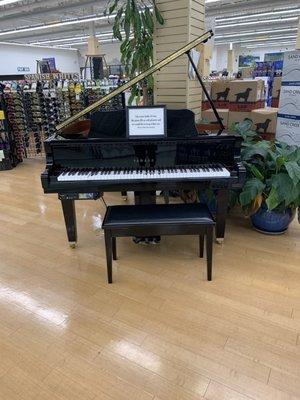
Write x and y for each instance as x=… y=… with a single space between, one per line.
x=133 y=26
x=273 y=174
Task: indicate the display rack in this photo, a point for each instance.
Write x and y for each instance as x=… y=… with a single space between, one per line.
x=33 y=108
x=269 y=70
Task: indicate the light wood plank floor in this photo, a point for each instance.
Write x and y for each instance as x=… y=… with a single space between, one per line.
x=161 y=331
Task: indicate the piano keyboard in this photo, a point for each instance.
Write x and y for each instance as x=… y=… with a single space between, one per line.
x=210 y=171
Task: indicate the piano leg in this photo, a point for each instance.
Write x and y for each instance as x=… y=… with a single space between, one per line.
x=68 y=207
x=222 y=208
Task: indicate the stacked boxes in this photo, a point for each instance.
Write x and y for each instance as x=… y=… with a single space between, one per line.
x=276 y=91
x=237 y=117
x=210 y=117
x=244 y=96
x=264 y=122
x=220 y=93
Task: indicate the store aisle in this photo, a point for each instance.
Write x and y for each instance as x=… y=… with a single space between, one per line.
x=161 y=331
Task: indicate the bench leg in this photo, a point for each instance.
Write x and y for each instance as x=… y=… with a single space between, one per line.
x=108 y=247
x=201 y=245
x=114 y=247
x=209 y=249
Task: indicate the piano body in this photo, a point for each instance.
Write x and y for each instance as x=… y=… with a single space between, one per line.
x=84 y=166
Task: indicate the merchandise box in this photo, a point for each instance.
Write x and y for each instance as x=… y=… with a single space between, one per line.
x=290 y=100
x=210 y=117
x=276 y=91
x=246 y=95
x=220 y=93
x=265 y=122
x=205 y=102
x=288 y=129
x=288 y=121
x=236 y=117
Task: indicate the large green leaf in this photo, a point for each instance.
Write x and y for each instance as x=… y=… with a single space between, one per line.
x=256 y=172
x=251 y=189
x=272 y=201
x=287 y=191
x=113 y=6
x=293 y=169
x=259 y=149
x=158 y=15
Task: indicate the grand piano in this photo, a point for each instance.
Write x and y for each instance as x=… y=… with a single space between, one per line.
x=85 y=163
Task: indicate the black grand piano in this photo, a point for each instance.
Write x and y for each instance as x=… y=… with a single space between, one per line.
x=84 y=166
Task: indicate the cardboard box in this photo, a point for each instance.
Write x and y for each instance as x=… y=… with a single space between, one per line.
x=210 y=117
x=246 y=95
x=220 y=93
x=236 y=117
x=205 y=102
x=265 y=122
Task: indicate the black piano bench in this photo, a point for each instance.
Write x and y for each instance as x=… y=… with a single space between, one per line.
x=156 y=220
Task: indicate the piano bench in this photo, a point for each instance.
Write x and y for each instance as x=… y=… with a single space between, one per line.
x=156 y=220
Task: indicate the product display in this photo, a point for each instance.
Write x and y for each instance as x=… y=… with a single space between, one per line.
x=34 y=108
x=264 y=122
x=209 y=116
x=220 y=90
x=246 y=95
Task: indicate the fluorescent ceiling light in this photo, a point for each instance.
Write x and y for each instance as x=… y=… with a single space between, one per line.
x=290 y=11
x=84 y=43
x=98 y=35
x=264 y=39
x=54 y=25
x=255 y=33
x=257 y=22
x=5 y=2
x=284 y=44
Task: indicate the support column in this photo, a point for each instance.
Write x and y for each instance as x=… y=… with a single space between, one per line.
x=230 y=61
x=184 y=21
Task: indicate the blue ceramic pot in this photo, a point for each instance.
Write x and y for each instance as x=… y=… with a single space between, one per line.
x=272 y=222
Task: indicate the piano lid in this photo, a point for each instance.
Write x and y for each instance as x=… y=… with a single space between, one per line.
x=184 y=50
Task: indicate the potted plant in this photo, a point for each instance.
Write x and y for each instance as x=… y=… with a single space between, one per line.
x=271 y=193
x=133 y=26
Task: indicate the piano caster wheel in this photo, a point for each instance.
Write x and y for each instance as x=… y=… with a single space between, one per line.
x=125 y=198
x=219 y=240
x=73 y=245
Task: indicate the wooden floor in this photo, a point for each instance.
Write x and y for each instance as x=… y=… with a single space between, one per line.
x=161 y=331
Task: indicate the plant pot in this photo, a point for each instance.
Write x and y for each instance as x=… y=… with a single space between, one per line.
x=272 y=222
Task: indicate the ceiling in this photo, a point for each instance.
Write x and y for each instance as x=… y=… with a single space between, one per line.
x=63 y=23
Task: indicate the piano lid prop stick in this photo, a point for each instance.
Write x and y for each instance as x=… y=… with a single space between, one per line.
x=201 y=39
x=222 y=127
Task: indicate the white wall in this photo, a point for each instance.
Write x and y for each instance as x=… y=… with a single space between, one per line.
x=219 y=59
x=111 y=51
x=13 y=56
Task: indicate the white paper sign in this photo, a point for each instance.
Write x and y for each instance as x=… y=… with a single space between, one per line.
x=146 y=121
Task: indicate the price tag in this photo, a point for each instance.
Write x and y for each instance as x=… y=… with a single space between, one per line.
x=2 y=116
